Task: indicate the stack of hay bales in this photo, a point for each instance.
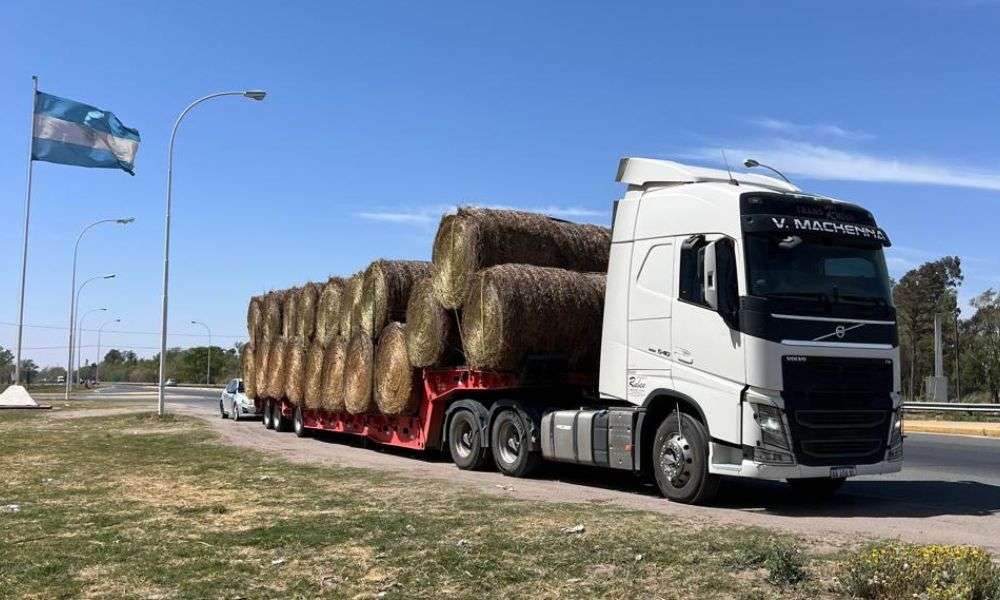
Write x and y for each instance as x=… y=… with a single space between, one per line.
x=503 y=286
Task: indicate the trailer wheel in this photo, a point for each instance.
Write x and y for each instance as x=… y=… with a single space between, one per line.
x=816 y=487
x=680 y=461
x=280 y=422
x=512 y=446
x=268 y=417
x=299 y=423
x=465 y=441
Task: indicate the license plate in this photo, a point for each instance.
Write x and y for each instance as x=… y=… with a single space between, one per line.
x=841 y=472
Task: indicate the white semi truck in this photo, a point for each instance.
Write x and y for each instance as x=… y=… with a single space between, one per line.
x=748 y=331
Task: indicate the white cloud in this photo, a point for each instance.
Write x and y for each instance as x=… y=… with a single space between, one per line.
x=824 y=162
x=395 y=217
x=432 y=214
x=788 y=127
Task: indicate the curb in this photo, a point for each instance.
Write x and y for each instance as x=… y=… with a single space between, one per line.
x=968 y=428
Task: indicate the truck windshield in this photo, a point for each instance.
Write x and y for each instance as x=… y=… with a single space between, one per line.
x=816 y=269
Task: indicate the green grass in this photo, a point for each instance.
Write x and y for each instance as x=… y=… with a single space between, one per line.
x=128 y=506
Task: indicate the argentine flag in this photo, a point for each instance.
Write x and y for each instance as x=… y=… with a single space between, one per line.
x=71 y=133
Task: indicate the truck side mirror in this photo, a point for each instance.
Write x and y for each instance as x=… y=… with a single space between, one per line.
x=710 y=279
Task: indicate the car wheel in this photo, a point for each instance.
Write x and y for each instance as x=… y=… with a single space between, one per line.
x=268 y=422
x=222 y=409
x=680 y=461
x=511 y=445
x=465 y=441
x=235 y=413
x=816 y=487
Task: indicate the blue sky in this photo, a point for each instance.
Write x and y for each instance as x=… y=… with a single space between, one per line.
x=382 y=115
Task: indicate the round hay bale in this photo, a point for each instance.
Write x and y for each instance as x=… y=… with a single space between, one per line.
x=290 y=313
x=477 y=238
x=249 y=366
x=270 y=327
x=513 y=311
x=328 y=311
x=305 y=325
x=432 y=338
x=333 y=375
x=358 y=374
x=313 y=392
x=262 y=377
x=295 y=370
x=395 y=378
x=350 y=307
x=276 y=367
x=386 y=291
x=255 y=315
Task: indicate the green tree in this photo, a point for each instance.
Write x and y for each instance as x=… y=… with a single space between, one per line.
x=6 y=365
x=982 y=343
x=930 y=289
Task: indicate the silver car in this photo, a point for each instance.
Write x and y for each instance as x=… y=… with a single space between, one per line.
x=234 y=403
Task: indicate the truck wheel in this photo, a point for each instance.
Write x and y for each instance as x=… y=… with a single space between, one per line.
x=816 y=487
x=299 y=423
x=512 y=445
x=280 y=422
x=465 y=441
x=680 y=463
x=268 y=417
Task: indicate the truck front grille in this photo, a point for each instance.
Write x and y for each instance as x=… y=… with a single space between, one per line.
x=838 y=409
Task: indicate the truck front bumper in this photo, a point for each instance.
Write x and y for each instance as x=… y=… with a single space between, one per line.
x=756 y=470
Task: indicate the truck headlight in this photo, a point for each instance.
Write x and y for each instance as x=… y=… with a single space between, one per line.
x=896 y=436
x=772 y=427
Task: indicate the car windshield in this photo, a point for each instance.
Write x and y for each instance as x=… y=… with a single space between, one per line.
x=816 y=269
x=239 y=388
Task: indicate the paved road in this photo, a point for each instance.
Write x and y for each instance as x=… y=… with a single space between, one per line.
x=948 y=491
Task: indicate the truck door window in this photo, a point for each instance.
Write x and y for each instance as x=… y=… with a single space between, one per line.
x=692 y=270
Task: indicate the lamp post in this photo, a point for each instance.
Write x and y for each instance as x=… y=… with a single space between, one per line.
x=97 y=374
x=751 y=163
x=253 y=95
x=76 y=311
x=72 y=294
x=208 y=377
x=80 y=336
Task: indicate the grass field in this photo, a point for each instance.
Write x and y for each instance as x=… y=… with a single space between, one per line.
x=126 y=506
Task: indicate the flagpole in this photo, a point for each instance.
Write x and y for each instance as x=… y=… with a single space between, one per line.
x=27 y=220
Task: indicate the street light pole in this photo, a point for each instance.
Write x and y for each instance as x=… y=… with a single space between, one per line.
x=76 y=311
x=253 y=95
x=72 y=294
x=208 y=377
x=97 y=374
x=80 y=336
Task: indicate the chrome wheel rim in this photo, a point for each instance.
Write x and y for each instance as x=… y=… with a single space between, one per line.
x=510 y=442
x=463 y=438
x=675 y=460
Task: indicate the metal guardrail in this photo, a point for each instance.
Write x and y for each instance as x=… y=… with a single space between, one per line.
x=951 y=407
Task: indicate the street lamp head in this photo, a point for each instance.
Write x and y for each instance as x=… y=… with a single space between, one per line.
x=111 y=276
x=750 y=163
x=125 y=221
x=255 y=94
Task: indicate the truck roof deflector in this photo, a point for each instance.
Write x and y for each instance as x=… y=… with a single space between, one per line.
x=641 y=171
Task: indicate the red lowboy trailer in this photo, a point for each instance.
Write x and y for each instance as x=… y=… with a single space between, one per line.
x=458 y=408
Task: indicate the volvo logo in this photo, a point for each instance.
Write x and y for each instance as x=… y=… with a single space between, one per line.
x=839 y=332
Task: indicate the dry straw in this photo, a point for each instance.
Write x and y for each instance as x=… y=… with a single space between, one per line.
x=386 y=291
x=262 y=377
x=276 y=369
x=328 y=311
x=477 y=238
x=515 y=311
x=255 y=314
x=432 y=338
x=249 y=364
x=395 y=378
x=358 y=375
x=333 y=375
x=313 y=394
x=350 y=307
x=295 y=370
x=270 y=327
x=290 y=312
x=305 y=325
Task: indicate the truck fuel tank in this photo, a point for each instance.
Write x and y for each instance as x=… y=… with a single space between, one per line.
x=589 y=437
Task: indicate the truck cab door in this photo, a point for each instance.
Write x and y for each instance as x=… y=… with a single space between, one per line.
x=707 y=348
x=650 y=303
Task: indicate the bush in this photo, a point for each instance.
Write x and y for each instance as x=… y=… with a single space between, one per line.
x=782 y=559
x=887 y=570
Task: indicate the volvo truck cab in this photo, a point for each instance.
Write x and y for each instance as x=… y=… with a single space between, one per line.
x=750 y=326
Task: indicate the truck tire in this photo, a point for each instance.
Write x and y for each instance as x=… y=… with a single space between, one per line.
x=299 y=423
x=816 y=487
x=511 y=444
x=280 y=421
x=681 y=463
x=268 y=416
x=465 y=441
